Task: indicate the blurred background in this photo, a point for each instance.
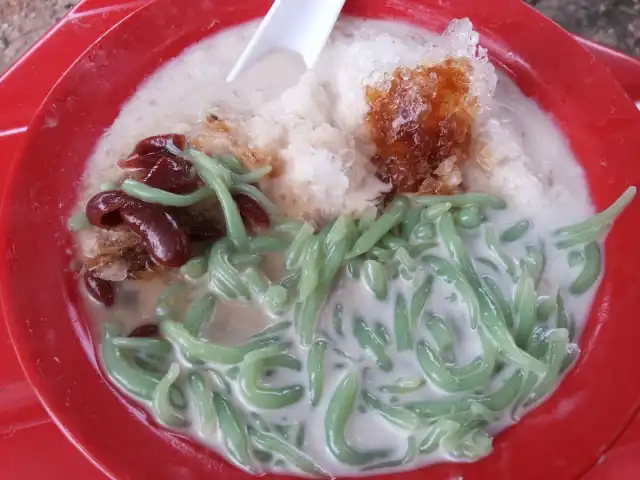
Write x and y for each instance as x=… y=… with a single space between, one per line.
x=611 y=22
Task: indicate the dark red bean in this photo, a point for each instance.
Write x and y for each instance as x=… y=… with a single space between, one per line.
x=205 y=230
x=103 y=209
x=173 y=175
x=165 y=240
x=252 y=212
x=149 y=330
x=100 y=289
x=200 y=227
x=158 y=143
x=136 y=160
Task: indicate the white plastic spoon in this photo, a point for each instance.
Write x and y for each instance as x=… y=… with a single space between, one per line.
x=301 y=26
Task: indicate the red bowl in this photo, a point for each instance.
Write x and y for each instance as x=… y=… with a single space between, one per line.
x=47 y=323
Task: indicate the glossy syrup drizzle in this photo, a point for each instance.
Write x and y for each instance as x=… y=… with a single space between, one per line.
x=421 y=120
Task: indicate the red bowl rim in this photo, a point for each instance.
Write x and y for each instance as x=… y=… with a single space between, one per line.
x=496 y=16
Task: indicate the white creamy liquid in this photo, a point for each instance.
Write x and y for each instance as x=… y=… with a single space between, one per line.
x=530 y=166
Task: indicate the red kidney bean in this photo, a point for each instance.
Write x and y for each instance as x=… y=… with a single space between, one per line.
x=205 y=230
x=148 y=330
x=199 y=227
x=252 y=212
x=100 y=289
x=158 y=143
x=164 y=239
x=173 y=175
x=103 y=209
x=137 y=160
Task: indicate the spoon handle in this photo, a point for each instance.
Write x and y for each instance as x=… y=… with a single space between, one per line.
x=301 y=26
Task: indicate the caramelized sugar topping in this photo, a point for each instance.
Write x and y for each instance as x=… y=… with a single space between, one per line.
x=421 y=125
